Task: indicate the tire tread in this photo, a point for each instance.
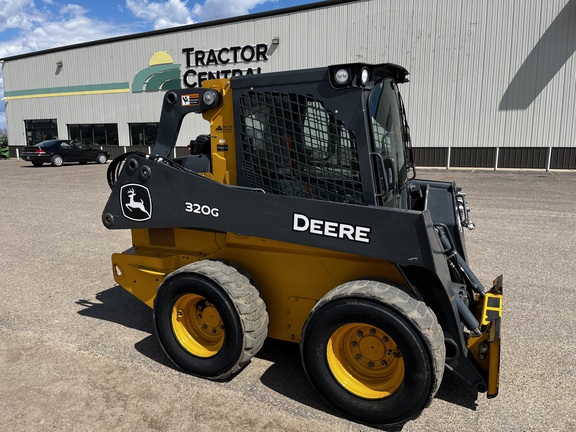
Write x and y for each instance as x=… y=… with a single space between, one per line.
x=418 y=313
x=246 y=299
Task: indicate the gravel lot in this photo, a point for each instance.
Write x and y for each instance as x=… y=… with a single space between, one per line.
x=78 y=353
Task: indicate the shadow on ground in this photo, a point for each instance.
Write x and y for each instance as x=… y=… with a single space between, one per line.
x=285 y=376
x=117 y=305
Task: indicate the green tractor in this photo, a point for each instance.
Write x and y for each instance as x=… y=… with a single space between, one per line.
x=4 y=149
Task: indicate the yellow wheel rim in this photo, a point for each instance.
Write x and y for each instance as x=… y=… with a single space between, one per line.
x=365 y=361
x=197 y=325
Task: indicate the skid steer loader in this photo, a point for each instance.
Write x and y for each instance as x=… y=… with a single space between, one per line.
x=303 y=221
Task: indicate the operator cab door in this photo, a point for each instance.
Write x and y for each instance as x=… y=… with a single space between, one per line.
x=389 y=152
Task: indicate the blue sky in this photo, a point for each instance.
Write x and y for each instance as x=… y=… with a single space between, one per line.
x=35 y=25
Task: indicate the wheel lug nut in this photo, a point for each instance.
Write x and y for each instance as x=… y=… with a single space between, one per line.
x=199 y=316
x=358 y=356
x=384 y=339
x=204 y=327
x=354 y=344
x=360 y=334
x=372 y=331
x=397 y=354
x=221 y=327
x=383 y=363
x=180 y=313
x=199 y=307
x=213 y=331
x=370 y=364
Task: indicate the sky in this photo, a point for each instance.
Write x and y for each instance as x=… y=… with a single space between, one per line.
x=35 y=25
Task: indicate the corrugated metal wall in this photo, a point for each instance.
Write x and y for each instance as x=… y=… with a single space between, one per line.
x=484 y=74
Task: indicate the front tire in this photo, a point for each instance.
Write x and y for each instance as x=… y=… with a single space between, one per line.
x=373 y=352
x=57 y=160
x=209 y=319
x=101 y=158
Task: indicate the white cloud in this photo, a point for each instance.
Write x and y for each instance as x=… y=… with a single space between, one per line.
x=171 y=13
x=18 y=14
x=72 y=9
x=166 y=14
x=217 y=9
x=51 y=27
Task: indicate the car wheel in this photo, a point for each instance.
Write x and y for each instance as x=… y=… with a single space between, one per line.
x=373 y=353
x=37 y=164
x=56 y=160
x=101 y=158
x=209 y=319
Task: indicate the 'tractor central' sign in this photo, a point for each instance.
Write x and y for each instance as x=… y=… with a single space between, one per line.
x=222 y=58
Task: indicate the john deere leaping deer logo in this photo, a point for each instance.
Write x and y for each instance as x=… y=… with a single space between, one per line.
x=136 y=202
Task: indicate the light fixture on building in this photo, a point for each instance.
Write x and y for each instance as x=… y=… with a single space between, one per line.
x=58 y=66
x=273 y=45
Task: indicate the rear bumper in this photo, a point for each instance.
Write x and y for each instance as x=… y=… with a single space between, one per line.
x=141 y=275
x=32 y=157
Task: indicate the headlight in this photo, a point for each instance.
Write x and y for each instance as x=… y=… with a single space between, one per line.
x=342 y=76
x=364 y=76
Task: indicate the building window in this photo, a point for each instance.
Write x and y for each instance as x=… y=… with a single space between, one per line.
x=94 y=134
x=40 y=130
x=143 y=133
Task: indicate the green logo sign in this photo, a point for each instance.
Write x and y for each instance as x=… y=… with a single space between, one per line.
x=161 y=74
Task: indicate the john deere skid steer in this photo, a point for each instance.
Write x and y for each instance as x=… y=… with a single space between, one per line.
x=302 y=220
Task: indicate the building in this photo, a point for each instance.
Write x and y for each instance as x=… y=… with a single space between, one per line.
x=492 y=83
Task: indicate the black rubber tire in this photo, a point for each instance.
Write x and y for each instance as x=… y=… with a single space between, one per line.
x=410 y=324
x=57 y=160
x=101 y=158
x=240 y=307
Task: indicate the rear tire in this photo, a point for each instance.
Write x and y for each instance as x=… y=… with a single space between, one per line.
x=209 y=319
x=56 y=160
x=373 y=352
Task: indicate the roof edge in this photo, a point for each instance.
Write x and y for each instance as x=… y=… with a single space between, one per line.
x=214 y=23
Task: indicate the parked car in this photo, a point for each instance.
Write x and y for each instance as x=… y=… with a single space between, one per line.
x=58 y=151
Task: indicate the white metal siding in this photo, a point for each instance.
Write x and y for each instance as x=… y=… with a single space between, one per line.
x=462 y=55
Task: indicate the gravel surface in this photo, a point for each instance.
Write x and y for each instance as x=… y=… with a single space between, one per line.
x=77 y=352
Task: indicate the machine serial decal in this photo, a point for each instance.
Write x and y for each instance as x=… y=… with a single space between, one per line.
x=136 y=202
x=202 y=209
x=303 y=223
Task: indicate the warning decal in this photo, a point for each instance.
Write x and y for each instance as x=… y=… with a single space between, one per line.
x=191 y=99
